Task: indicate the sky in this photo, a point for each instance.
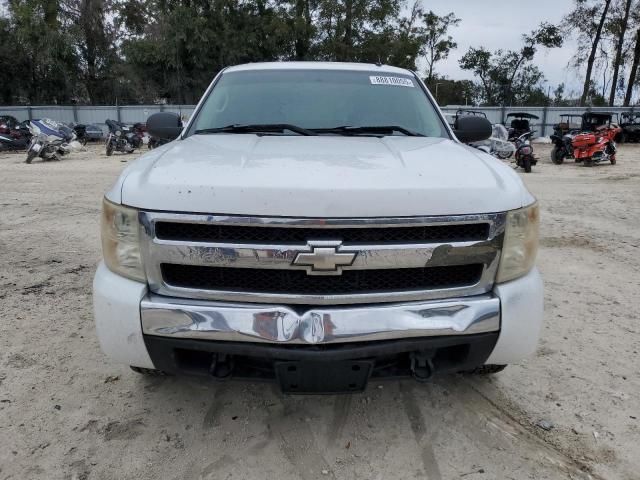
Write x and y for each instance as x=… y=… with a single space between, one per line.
x=496 y=24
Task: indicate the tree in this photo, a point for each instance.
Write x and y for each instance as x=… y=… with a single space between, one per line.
x=437 y=42
x=581 y=19
x=509 y=77
x=302 y=28
x=366 y=31
x=558 y=95
x=622 y=30
x=633 y=74
x=454 y=92
x=94 y=40
x=48 y=66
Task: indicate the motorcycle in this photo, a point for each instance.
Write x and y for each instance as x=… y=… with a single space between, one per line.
x=50 y=140
x=564 y=133
x=140 y=129
x=598 y=146
x=524 y=152
x=122 y=138
x=498 y=144
x=81 y=133
x=17 y=138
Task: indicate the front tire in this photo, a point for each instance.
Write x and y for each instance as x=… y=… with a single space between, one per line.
x=30 y=156
x=526 y=164
x=109 y=149
x=557 y=155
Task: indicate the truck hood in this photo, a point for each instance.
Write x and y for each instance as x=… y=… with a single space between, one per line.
x=324 y=176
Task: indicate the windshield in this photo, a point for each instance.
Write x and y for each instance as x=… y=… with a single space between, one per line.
x=319 y=99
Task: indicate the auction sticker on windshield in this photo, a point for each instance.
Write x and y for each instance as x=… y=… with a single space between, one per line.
x=395 y=81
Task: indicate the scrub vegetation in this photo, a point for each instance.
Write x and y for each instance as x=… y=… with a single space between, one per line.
x=153 y=51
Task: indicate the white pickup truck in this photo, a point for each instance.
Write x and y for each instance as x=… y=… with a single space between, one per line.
x=320 y=225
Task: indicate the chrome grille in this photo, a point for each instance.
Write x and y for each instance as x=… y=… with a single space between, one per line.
x=202 y=232
x=299 y=283
x=252 y=259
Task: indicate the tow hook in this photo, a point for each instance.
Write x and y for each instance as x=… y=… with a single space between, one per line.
x=421 y=366
x=221 y=366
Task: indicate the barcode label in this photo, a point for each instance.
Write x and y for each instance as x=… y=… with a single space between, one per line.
x=394 y=81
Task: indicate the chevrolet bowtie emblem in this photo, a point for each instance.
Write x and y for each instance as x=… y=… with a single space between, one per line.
x=324 y=258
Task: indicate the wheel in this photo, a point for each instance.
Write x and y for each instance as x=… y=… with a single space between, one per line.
x=588 y=162
x=486 y=370
x=526 y=164
x=612 y=159
x=83 y=141
x=149 y=372
x=109 y=149
x=30 y=156
x=557 y=155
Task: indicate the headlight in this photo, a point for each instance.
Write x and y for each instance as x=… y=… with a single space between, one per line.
x=120 y=242
x=526 y=150
x=520 y=243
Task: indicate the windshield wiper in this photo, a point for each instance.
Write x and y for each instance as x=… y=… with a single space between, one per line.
x=257 y=128
x=375 y=130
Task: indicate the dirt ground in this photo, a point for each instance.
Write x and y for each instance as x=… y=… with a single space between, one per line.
x=570 y=412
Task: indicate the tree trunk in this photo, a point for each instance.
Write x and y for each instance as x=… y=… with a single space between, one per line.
x=634 y=70
x=592 y=55
x=348 y=32
x=302 y=29
x=618 y=59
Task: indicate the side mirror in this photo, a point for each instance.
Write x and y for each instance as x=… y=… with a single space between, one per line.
x=164 y=125
x=472 y=129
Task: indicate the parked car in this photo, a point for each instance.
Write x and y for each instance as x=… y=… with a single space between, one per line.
x=94 y=133
x=630 y=125
x=319 y=225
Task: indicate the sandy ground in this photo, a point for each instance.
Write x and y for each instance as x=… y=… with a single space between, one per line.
x=68 y=412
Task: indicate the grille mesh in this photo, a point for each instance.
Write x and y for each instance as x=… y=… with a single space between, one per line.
x=294 y=282
x=284 y=235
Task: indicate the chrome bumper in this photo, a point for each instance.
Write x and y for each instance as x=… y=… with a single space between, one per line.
x=206 y=320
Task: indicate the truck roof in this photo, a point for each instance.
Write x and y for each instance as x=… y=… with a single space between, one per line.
x=368 y=67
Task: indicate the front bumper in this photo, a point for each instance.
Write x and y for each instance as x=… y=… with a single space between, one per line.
x=205 y=320
x=130 y=321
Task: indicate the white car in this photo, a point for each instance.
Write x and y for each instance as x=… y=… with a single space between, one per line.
x=318 y=224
